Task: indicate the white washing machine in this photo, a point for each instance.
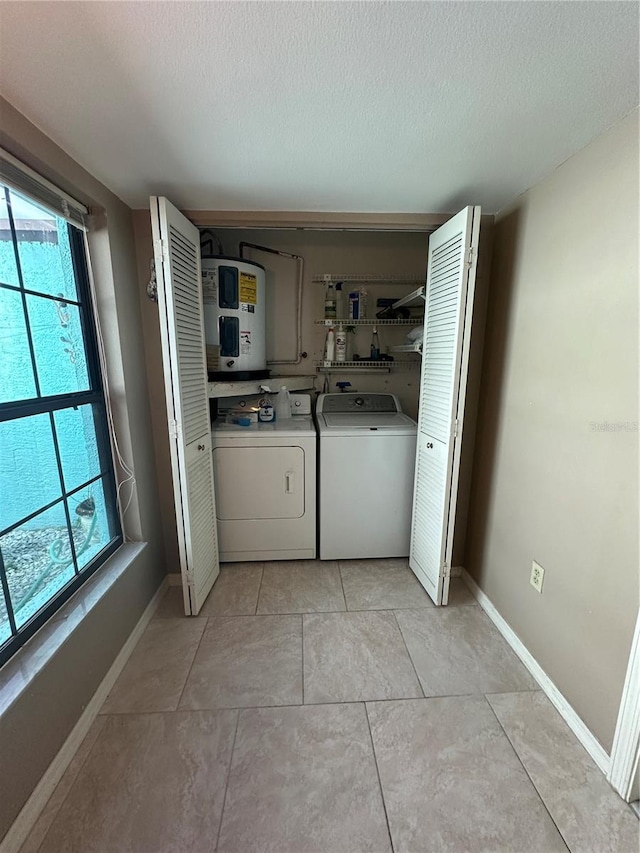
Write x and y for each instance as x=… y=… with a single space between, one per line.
x=265 y=481
x=367 y=451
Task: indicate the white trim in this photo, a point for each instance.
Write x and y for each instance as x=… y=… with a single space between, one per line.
x=35 y=176
x=318 y=221
x=30 y=183
x=626 y=740
x=24 y=823
x=569 y=715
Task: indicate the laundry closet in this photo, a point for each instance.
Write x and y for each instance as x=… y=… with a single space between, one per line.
x=225 y=511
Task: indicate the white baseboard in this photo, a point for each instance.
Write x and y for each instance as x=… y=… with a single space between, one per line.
x=174 y=579
x=21 y=827
x=569 y=715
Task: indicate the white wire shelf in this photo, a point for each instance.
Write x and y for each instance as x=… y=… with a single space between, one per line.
x=415 y=347
x=362 y=366
x=414 y=298
x=403 y=322
x=345 y=278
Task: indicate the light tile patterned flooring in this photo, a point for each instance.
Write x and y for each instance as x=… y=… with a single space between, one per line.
x=329 y=708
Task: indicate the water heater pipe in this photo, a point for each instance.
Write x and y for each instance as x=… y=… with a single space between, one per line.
x=242 y=246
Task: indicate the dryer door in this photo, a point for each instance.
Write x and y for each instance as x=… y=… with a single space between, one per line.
x=259 y=482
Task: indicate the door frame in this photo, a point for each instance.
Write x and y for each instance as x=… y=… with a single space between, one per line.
x=625 y=751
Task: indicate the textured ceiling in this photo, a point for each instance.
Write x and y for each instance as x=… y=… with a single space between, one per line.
x=321 y=106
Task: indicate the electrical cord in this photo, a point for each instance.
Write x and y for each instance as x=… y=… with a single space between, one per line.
x=124 y=466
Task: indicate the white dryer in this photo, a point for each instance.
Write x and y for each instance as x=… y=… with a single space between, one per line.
x=265 y=481
x=367 y=451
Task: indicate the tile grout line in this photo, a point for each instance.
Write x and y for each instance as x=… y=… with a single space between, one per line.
x=302 y=649
x=427 y=609
x=375 y=761
x=255 y=612
x=344 y=594
x=193 y=660
x=404 y=642
x=522 y=764
x=228 y=777
x=307 y=704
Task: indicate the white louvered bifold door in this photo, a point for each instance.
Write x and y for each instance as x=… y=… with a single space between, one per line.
x=176 y=244
x=451 y=268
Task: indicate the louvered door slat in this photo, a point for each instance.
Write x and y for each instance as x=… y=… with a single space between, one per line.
x=428 y=511
x=177 y=246
x=448 y=301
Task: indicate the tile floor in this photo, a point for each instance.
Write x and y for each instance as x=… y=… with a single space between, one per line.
x=329 y=708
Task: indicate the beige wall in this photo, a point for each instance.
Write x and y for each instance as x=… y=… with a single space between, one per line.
x=29 y=737
x=561 y=358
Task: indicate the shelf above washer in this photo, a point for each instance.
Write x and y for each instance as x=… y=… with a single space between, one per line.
x=362 y=366
x=255 y=386
x=345 y=322
x=414 y=298
x=374 y=278
x=415 y=347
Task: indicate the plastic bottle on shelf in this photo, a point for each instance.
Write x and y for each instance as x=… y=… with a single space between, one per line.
x=350 y=333
x=341 y=312
x=283 y=404
x=375 y=345
x=330 y=346
x=341 y=343
x=362 y=311
x=354 y=305
x=330 y=302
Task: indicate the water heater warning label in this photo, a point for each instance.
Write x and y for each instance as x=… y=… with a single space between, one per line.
x=245 y=343
x=248 y=288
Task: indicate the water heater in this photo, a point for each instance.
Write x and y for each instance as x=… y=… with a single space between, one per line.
x=234 y=292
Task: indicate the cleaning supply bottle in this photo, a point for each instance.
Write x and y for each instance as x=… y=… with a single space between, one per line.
x=330 y=347
x=375 y=345
x=362 y=307
x=341 y=343
x=266 y=412
x=283 y=404
x=351 y=336
x=354 y=305
x=341 y=310
x=330 y=302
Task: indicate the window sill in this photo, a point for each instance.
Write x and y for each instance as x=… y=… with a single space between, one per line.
x=18 y=673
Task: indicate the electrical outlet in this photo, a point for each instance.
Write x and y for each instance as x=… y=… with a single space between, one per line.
x=537 y=576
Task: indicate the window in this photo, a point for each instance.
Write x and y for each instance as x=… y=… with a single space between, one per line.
x=58 y=517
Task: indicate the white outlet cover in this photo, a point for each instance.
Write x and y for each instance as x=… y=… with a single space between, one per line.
x=537 y=576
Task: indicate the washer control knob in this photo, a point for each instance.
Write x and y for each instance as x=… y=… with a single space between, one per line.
x=359 y=402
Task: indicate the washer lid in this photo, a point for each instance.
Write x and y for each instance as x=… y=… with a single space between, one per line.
x=350 y=423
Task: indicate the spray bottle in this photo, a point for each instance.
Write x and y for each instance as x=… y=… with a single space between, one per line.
x=341 y=343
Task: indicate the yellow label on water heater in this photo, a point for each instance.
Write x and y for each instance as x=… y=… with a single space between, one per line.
x=248 y=288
